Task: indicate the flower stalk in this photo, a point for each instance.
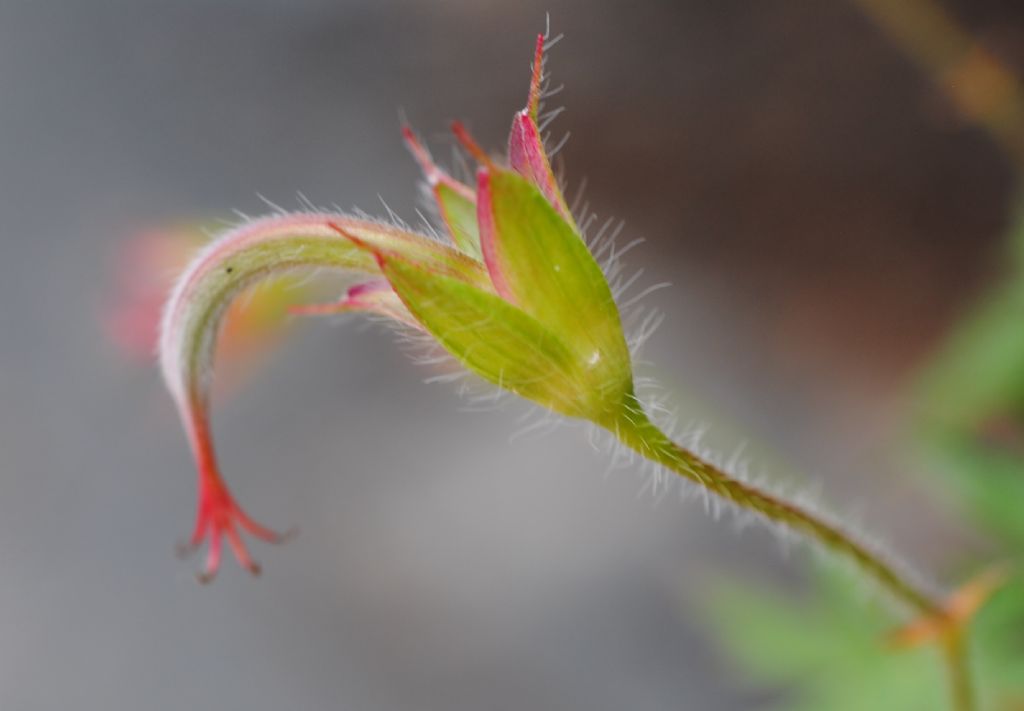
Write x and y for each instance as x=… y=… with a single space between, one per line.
x=939 y=621
x=640 y=434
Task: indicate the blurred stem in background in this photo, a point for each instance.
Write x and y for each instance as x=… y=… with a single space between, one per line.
x=969 y=426
x=972 y=402
x=978 y=84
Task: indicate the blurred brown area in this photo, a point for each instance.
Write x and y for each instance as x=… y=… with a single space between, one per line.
x=822 y=210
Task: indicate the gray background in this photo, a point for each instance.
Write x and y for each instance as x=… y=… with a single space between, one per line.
x=821 y=213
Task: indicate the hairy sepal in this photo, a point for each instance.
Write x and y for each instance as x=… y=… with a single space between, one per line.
x=374 y=297
x=527 y=155
x=492 y=338
x=455 y=202
x=539 y=263
x=458 y=210
x=526 y=152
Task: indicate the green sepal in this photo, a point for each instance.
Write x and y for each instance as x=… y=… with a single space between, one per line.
x=492 y=338
x=459 y=213
x=416 y=249
x=546 y=269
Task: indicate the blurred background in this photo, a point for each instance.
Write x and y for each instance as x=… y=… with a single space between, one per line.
x=828 y=196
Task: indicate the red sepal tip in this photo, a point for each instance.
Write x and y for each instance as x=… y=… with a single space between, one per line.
x=467 y=141
x=533 y=103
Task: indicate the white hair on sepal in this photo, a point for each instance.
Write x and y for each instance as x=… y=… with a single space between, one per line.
x=425 y=201
x=577 y=198
x=553 y=151
x=452 y=377
x=427 y=204
x=580 y=214
x=638 y=321
x=361 y=214
x=593 y=436
x=587 y=222
x=546 y=90
x=544 y=120
x=224 y=224
x=549 y=43
x=305 y=206
x=428 y=210
x=633 y=300
x=460 y=168
x=304 y=202
x=622 y=284
x=478 y=394
x=535 y=423
x=431 y=359
x=433 y=230
x=603 y=239
x=613 y=264
x=394 y=219
x=545 y=117
x=640 y=334
x=481 y=396
x=424 y=350
x=274 y=207
x=364 y=321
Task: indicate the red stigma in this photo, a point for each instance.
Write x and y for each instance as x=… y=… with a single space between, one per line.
x=219 y=517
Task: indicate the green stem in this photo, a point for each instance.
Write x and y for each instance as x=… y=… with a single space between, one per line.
x=640 y=434
x=636 y=431
x=955 y=649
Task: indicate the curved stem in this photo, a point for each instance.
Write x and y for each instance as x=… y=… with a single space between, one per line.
x=242 y=257
x=636 y=431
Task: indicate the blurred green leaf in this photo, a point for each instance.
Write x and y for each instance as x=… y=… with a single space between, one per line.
x=999 y=643
x=828 y=643
x=981 y=370
x=971 y=415
x=986 y=483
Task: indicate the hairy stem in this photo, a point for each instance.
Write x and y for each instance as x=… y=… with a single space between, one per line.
x=637 y=432
x=640 y=434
